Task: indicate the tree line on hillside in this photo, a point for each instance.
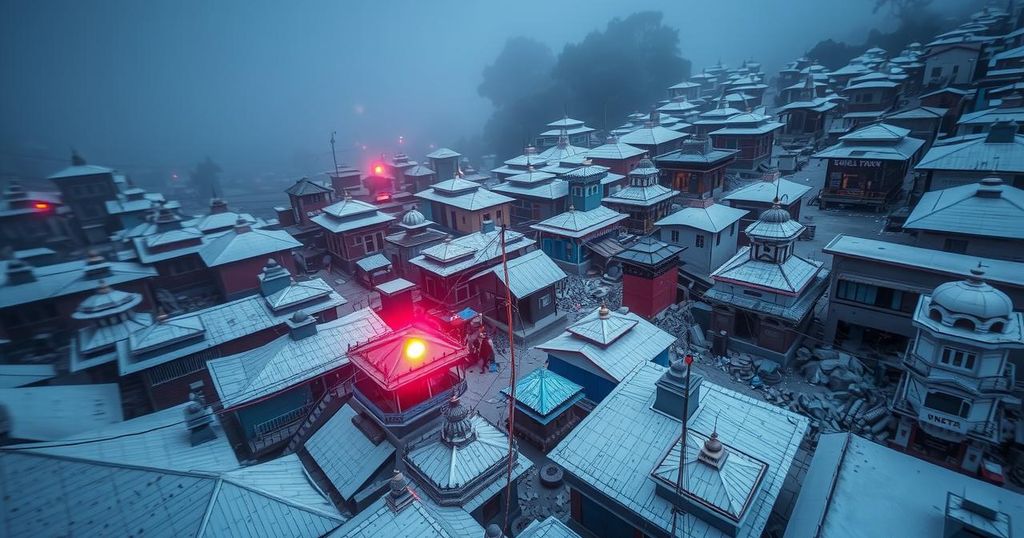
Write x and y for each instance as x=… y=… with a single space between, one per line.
x=600 y=80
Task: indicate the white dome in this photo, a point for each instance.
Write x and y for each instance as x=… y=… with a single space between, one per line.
x=413 y=218
x=972 y=297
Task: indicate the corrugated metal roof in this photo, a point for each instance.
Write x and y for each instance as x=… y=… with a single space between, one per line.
x=548 y=190
x=304 y=187
x=345 y=455
x=286 y=362
x=617 y=446
x=484 y=248
x=61 y=279
x=237 y=245
x=475 y=199
x=373 y=262
x=165 y=445
x=443 y=153
x=975 y=153
x=651 y=136
x=82 y=170
x=988 y=210
x=639 y=342
x=421 y=519
x=575 y=223
x=58 y=411
x=713 y=218
x=790 y=277
x=530 y=273
x=19 y=375
x=766 y=191
x=453 y=466
x=643 y=196
x=547 y=528
x=336 y=225
x=544 y=391
x=845 y=466
x=992 y=115
x=937 y=261
x=57 y=496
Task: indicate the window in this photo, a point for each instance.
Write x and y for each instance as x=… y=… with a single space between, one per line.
x=462 y=293
x=499 y=216
x=956 y=69
x=718 y=239
x=699 y=238
x=958 y=246
x=545 y=300
x=887 y=298
x=936 y=72
x=958 y=358
x=732 y=230
x=947 y=403
x=675 y=236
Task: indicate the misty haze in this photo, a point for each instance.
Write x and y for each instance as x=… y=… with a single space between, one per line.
x=731 y=268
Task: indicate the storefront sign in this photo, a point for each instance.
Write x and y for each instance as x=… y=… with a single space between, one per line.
x=944 y=421
x=857 y=163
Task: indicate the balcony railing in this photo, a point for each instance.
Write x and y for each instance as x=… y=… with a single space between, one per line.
x=995 y=383
x=407 y=415
x=278 y=429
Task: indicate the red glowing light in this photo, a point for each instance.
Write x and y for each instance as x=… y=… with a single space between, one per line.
x=378 y=169
x=415 y=349
x=688 y=360
x=42 y=205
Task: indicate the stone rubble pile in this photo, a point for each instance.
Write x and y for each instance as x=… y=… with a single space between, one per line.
x=851 y=402
x=580 y=296
x=677 y=321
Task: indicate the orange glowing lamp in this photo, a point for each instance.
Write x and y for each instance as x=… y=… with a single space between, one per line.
x=415 y=349
x=378 y=169
x=41 y=205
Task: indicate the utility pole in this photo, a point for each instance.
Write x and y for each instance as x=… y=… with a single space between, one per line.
x=512 y=382
x=333 y=153
x=682 y=440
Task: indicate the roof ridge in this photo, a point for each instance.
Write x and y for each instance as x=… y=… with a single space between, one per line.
x=223 y=477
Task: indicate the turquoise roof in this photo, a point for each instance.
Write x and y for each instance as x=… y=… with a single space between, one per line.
x=544 y=391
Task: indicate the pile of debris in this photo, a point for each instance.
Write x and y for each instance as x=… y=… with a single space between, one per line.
x=861 y=410
x=579 y=295
x=678 y=321
x=846 y=398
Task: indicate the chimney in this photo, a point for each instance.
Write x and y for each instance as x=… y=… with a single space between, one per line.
x=96 y=266
x=76 y=159
x=218 y=205
x=273 y=278
x=399 y=494
x=198 y=417
x=990 y=187
x=301 y=325
x=670 y=397
x=487 y=226
x=1001 y=132
x=973 y=515
x=396 y=304
x=19 y=272
x=242 y=226
x=493 y=531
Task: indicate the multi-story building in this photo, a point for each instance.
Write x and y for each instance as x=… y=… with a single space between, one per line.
x=867 y=167
x=536 y=196
x=416 y=234
x=763 y=298
x=971 y=158
x=982 y=219
x=738 y=453
x=708 y=236
x=85 y=189
x=462 y=206
x=958 y=378
x=760 y=196
x=644 y=201
x=753 y=134
x=354 y=229
x=696 y=171
x=33 y=219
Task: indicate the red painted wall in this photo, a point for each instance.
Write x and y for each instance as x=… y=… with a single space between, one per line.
x=236 y=279
x=648 y=297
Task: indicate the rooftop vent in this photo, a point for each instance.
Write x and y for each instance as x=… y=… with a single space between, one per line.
x=671 y=397
x=76 y=159
x=301 y=325
x=198 y=417
x=399 y=494
x=218 y=205
x=487 y=226
x=96 y=266
x=971 y=515
x=242 y=226
x=990 y=187
x=19 y=272
x=273 y=278
x=1001 y=132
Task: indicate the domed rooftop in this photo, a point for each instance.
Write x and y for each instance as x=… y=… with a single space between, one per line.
x=972 y=297
x=106 y=302
x=413 y=219
x=774 y=224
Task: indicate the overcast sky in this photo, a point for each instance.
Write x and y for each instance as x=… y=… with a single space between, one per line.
x=259 y=85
